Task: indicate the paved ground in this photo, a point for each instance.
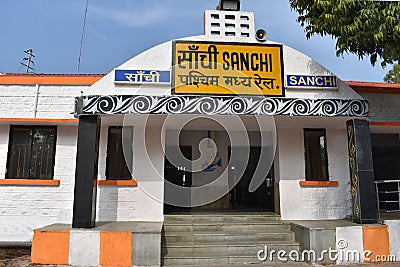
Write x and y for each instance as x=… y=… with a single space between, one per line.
x=14 y=257
x=21 y=258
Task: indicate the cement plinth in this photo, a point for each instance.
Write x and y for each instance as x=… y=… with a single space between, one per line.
x=353 y=243
x=108 y=244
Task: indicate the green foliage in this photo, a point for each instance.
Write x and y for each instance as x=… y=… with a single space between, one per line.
x=365 y=28
x=393 y=76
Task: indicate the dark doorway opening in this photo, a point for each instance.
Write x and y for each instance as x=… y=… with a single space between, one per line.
x=386 y=157
x=240 y=198
x=178 y=175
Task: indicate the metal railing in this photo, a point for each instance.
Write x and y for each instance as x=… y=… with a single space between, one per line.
x=388 y=195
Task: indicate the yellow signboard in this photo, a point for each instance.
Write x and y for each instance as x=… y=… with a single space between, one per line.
x=227 y=69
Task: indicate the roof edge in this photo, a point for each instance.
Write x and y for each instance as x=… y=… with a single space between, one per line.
x=374 y=87
x=90 y=79
x=49 y=79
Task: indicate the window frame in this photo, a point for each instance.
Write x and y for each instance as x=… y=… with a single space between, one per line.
x=107 y=176
x=10 y=150
x=308 y=173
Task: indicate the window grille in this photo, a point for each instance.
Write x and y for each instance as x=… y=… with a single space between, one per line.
x=31 y=152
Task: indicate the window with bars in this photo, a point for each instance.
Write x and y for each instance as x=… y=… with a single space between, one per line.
x=31 y=152
x=316 y=155
x=119 y=153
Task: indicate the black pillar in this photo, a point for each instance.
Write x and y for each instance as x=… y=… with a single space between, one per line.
x=84 y=215
x=361 y=172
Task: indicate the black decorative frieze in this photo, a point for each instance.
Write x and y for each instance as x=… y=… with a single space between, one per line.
x=123 y=104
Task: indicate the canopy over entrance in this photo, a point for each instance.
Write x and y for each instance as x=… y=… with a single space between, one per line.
x=212 y=105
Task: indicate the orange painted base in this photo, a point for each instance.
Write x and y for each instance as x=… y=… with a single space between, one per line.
x=53 y=246
x=376 y=240
x=115 y=248
x=50 y=247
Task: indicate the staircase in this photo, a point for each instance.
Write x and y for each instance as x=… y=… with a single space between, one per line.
x=223 y=239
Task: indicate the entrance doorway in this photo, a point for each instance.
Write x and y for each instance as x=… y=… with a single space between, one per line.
x=180 y=176
x=239 y=198
x=262 y=199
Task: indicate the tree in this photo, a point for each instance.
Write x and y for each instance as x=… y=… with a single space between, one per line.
x=365 y=28
x=393 y=76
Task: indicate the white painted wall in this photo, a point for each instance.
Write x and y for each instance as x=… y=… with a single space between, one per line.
x=54 y=101
x=349 y=239
x=103 y=153
x=58 y=101
x=383 y=107
x=25 y=208
x=4 y=135
x=113 y=203
x=148 y=170
x=17 y=101
x=394 y=237
x=142 y=203
x=84 y=248
x=64 y=170
x=310 y=203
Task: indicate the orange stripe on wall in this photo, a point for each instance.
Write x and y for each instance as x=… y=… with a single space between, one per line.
x=385 y=123
x=376 y=240
x=115 y=249
x=29 y=182
x=50 y=247
x=50 y=79
x=319 y=183
x=39 y=120
x=117 y=183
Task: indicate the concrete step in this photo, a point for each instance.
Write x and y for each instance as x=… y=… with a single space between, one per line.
x=206 y=222
x=269 y=264
x=214 y=239
x=272 y=264
x=220 y=218
x=218 y=260
x=238 y=249
x=249 y=228
x=177 y=238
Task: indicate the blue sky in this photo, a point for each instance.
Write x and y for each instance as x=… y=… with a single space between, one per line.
x=117 y=30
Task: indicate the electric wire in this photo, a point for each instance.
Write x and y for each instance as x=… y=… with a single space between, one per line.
x=83 y=35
